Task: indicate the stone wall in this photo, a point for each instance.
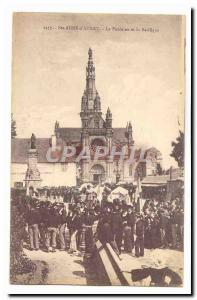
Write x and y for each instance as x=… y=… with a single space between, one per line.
x=52 y=174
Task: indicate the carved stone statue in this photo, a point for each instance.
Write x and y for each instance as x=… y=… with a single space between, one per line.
x=33 y=141
x=32 y=177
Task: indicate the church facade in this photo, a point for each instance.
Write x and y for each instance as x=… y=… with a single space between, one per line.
x=109 y=153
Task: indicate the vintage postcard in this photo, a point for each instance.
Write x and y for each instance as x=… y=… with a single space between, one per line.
x=97 y=154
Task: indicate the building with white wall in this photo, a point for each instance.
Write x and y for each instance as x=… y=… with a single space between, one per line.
x=96 y=132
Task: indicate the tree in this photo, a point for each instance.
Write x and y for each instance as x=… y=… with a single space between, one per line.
x=19 y=262
x=178 y=149
x=13 y=127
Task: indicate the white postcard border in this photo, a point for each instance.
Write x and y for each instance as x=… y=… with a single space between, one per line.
x=140 y=7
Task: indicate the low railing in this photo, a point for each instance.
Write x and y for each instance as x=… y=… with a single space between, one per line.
x=108 y=266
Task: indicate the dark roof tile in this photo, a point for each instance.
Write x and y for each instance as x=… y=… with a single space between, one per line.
x=74 y=134
x=20 y=146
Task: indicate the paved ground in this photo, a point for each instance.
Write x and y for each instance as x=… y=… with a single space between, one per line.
x=158 y=258
x=63 y=267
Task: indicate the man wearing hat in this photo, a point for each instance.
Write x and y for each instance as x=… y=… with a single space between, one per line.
x=103 y=230
x=164 y=225
x=52 y=222
x=89 y=219
x=104 y=201
x=139 y=231
x=174 y=220
x=117 y=225
x=42 y=225
x=33 y=220
x=129 y=224
x=62 y=228
x=74 y=223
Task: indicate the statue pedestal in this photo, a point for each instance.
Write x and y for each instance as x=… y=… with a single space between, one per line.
x=32 y=177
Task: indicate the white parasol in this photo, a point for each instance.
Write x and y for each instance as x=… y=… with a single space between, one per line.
x=84 y=185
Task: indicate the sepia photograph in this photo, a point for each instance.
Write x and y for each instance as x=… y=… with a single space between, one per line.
x=97 y=149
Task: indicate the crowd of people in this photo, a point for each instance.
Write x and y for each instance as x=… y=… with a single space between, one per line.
x=73 y=219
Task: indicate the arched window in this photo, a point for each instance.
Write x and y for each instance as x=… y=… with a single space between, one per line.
x=97 y=142
x=96 y=123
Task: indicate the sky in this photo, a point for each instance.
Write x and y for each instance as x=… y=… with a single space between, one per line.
x=139 y=73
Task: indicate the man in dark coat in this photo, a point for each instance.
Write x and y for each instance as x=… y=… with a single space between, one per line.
x=164 y=224
x=42 y=225
x=80 y=222
x=139 y=230
x=62 y=227
x=52 y=222
x=117 y=226
x=89 y=219
x=104 y=231
x=74 y=222
x=155 y=231
x=131 y=224
x=174 y=220
x=33 y=221
x=147 y=232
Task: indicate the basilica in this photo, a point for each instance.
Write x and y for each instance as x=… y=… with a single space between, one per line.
x=96 y=132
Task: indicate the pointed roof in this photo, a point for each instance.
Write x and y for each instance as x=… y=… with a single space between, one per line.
x=90 y=99
x=90 y=53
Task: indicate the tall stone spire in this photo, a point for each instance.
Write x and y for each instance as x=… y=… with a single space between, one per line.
x=90 y=69
x=90 y=81
x=90 y=102
x=90 y=99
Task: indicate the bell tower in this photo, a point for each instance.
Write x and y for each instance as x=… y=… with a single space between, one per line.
x=95 y=130
x=90 y=102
